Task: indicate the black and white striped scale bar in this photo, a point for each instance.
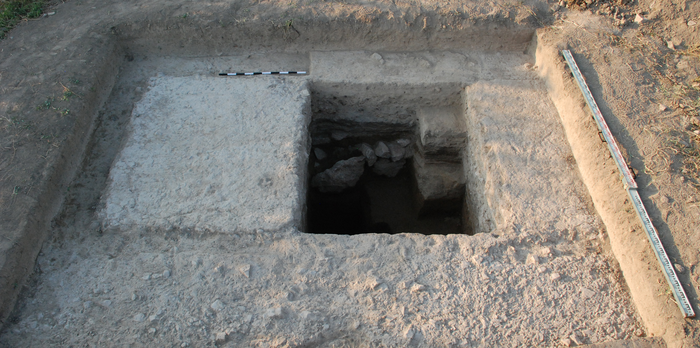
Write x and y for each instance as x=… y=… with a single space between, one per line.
x=264 y=73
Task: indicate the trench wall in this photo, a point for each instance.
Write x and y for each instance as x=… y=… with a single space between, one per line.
x=637 y=261
x=28 y=219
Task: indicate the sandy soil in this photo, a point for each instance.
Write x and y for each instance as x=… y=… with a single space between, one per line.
x=537 y=278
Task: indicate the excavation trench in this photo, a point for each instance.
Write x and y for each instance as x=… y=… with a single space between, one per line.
x=450 y=161
x=386 y=160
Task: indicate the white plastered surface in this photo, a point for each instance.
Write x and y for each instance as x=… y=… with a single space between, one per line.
x=220 y=154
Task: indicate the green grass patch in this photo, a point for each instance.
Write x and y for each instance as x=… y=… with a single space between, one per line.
x=12 y=11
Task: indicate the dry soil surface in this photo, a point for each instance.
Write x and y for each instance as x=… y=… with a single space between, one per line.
x=538 y=276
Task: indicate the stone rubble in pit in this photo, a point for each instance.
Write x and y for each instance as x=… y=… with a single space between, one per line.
x=369 y=154
x=397 y=151
x=382 y=150
x=320 y=154
x=343 y=174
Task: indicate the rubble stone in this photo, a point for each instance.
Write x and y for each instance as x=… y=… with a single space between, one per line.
x=343 y=174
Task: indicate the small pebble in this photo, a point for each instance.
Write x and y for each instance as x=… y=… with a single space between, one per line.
x=377 y=57
x=339 y=135
x=381 y=150
x=662 y=107
x=403 y=142
x=274 y=313
x=397 y=152
x=87 y=304
x=152 y=330
x=679 y=268
x=417 y=287
x=245 y=270
x=139 y=317
x=368 y=152
x=166 y=273
x=217 y=305
x=532 y=260
x=220 y=337
x=586 y=293
x=320 y=154
x=107 y=303
x=692 y=23
x=554 y=276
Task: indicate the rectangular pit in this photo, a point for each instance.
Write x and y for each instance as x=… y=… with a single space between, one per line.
x=386 y=159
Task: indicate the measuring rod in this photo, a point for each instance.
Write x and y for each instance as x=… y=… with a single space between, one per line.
x=264 y=73
x=632 y=191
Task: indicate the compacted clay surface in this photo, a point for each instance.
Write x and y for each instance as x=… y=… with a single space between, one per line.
x=145 y=201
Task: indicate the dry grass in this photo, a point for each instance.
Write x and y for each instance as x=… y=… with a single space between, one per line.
x=675 y=89
x=12 y=11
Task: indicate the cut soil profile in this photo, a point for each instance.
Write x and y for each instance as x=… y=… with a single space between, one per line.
x=434 y=180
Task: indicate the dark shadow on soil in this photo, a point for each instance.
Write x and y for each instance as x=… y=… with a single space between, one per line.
x=378 y=204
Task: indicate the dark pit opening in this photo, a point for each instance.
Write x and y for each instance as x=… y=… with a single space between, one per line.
x=379 y=204
x=386 y=165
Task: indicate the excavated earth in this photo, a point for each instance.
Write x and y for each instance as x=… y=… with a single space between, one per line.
x=432 y=179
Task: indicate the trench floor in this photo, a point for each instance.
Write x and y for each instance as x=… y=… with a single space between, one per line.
x=143 y=253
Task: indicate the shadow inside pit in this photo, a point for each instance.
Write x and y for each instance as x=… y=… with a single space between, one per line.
x=379 y=204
